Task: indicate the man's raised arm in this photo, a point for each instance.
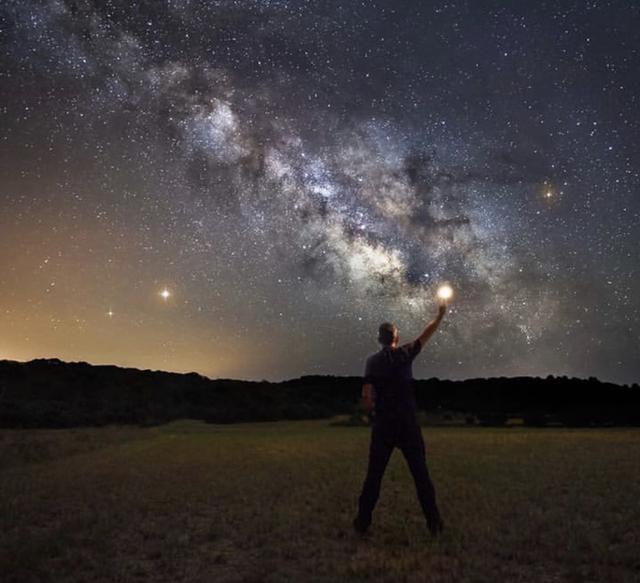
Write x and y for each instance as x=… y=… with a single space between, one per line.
x=433 y=325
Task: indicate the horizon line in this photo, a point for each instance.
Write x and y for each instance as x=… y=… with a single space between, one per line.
x=284 y=380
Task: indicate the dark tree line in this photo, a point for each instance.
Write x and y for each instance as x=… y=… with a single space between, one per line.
x=52 y=393
x=538 y=401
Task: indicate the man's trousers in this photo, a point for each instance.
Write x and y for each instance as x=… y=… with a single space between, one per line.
x=403 y=432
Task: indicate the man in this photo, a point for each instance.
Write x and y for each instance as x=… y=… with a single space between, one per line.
x=389 y=376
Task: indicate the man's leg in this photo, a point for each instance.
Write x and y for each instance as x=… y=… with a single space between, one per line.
x=414 y=452
x=380 y=449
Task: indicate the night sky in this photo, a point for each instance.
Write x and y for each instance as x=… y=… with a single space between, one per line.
x=292 y=174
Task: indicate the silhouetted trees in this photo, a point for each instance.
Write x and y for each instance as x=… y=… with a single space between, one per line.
x=52 y=393
x=539 y=402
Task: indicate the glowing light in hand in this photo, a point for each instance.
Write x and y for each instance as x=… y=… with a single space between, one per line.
x=445 y=292
x=165 y=294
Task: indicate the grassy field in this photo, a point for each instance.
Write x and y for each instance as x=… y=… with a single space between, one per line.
x=274 y=502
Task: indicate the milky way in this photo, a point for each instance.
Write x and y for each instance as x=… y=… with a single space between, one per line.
x=247 y=189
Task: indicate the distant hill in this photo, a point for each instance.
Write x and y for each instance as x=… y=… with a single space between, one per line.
x=53 y=393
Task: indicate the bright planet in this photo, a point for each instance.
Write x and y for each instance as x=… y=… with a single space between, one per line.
x=445 y=292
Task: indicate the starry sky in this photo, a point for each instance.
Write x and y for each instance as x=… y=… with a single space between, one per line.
x=247 y=189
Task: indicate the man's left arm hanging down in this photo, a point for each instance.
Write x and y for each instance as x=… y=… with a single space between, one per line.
x=367 y=397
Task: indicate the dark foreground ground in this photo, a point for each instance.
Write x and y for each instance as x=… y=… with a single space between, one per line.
x=274 y=501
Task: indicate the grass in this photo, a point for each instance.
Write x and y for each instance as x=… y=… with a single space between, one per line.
x=274 y=502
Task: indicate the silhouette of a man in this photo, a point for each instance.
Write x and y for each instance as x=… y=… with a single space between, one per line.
x=388 y=382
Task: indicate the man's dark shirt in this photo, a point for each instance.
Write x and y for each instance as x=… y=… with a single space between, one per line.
x=390 y=372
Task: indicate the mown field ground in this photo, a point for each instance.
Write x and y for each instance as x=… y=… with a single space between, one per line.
x=274 y=502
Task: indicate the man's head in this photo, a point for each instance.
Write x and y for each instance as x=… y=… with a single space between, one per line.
x=388 y=334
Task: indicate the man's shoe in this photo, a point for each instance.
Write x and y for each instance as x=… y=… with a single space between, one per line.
x=435 y=525
x=359 y=526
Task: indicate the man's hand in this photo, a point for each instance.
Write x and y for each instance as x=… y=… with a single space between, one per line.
x=442 y=308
